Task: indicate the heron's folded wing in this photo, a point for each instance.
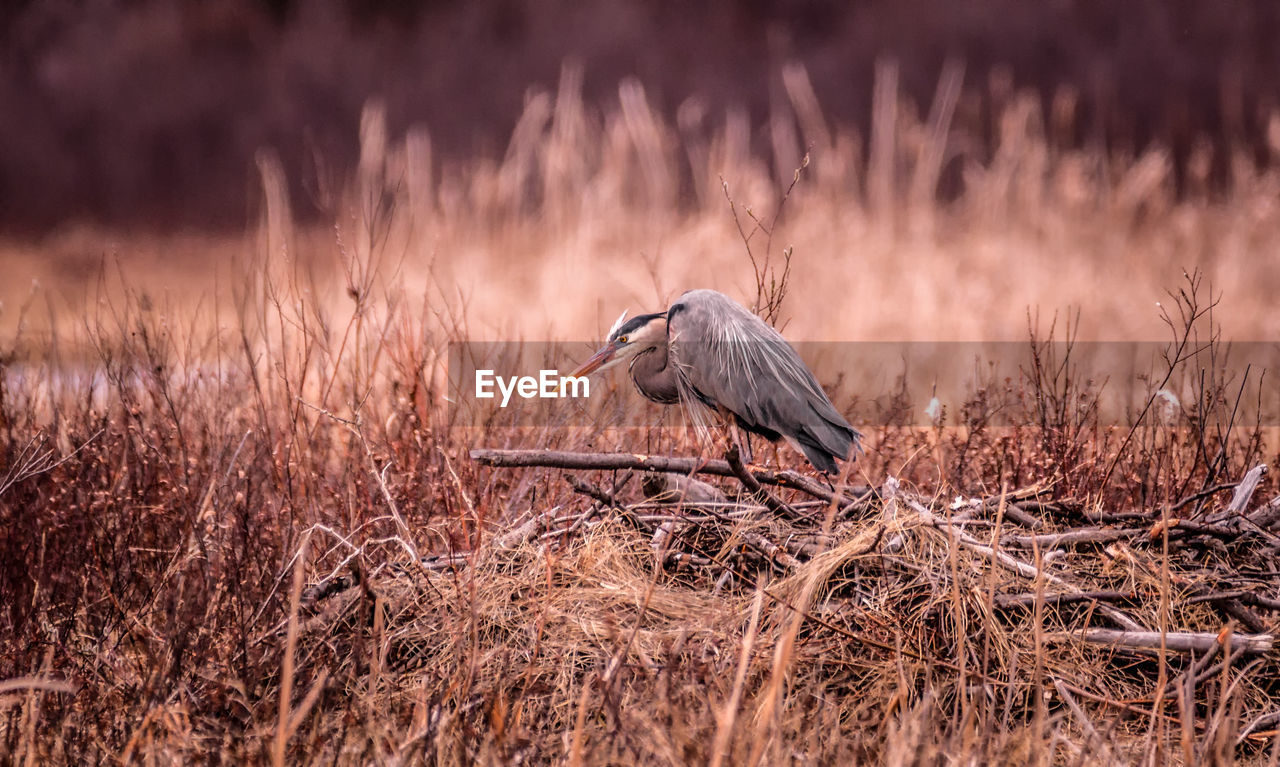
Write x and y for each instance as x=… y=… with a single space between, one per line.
x=729 y=355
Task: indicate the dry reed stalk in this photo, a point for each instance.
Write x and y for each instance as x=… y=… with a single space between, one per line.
x=284 y=717
x=729 y=714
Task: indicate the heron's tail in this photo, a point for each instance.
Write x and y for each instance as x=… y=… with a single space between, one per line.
x=824 y=443
x=821 y=459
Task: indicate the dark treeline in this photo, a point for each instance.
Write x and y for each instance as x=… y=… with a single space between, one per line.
x=148 y=113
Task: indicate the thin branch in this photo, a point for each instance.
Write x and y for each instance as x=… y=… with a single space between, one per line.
x=556 y=459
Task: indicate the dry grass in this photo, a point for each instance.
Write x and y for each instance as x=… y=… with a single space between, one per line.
x=180 y=459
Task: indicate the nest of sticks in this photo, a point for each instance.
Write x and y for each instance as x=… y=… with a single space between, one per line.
x=886 y=605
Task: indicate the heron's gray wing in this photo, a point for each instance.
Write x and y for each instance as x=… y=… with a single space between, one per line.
x=730 y=356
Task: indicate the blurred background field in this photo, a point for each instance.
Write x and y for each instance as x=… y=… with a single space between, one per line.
x=966 y=162
x=239 y=239
x=119 y=105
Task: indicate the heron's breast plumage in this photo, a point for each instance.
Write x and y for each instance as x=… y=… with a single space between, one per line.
x=654 y=377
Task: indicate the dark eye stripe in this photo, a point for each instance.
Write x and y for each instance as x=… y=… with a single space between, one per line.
x=634 y=324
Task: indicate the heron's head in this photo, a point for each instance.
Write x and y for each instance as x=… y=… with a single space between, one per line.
x=627 y=338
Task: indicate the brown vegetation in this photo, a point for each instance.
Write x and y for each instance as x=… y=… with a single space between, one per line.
x=250 y=526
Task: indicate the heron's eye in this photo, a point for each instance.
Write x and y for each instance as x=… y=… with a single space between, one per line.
x=622 y=339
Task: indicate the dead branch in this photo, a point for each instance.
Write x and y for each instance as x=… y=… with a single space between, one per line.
x=1073 y=537
x=1177 y=641
x=1267 y=514
x=557 y=459
x=1244 y=491
x=1016 y=513
x=1028 y=599
x=754 y=487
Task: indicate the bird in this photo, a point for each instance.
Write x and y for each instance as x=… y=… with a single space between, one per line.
x=710 y=354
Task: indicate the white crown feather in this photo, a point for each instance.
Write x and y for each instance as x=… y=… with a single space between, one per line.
x=617 y=324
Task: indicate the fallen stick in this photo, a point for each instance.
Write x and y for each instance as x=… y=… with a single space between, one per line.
x=1061 y=598
x=1266 y=720
x=1012 y=511
x=1177 y=641
x=1184 y=528
x=1072 y=537
x=557 y=459
x=1016 y=513
x=1265 y=515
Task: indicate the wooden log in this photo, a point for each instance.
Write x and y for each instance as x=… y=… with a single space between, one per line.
x=1176 y=641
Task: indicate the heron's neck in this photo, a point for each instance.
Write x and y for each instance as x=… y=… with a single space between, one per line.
x=654 y=377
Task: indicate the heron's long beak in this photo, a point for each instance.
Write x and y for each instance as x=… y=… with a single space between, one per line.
x=597 y=360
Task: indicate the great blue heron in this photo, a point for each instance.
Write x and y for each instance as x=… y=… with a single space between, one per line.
x=707 y=351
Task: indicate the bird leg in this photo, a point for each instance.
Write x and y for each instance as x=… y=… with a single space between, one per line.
x=742 y=441
x=738 y=437
x=777 y=457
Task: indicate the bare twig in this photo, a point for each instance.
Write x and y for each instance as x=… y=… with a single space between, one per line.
x=33 y=459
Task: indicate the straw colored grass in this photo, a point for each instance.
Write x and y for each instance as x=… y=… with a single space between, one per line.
x=241 y=521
